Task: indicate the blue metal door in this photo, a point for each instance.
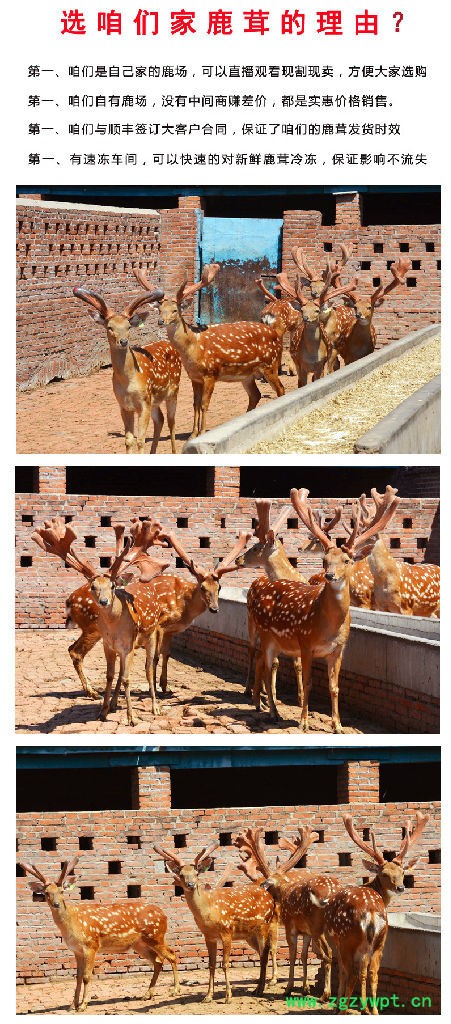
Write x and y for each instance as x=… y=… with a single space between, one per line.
x=245 y=248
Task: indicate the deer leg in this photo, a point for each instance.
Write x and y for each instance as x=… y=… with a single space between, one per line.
x=165 y=653
x=333 y=667
x=171 y=407
x=169 y=954
x=259 y=672
x=263 y=949
x=207 y=391
x=292 y=941
x=158 y=420
x=273 y=940
x=110 y=656
x=373 y=975
x=304 y=958
x=307 y=680
x=297 y=662
x=126 y=662
x=80 y=966
x=252 y=391
x=78 y=651
x=325 y=953
x=363 y=971
x=197 y=400
x=87 y=975
x=271 y=376
x=141 y=430
x=150 y=653
x=212 y=948
x=128 y=419
x=251 y=654
x=226 y=947
x=269 y=677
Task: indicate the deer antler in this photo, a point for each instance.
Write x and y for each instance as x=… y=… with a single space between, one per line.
x=386 y=505
x=298 y=847
x=203 y=859
x=155 y=295
x=67 y=869
x=288 y=289
x=371 y=851
x=348 y=289
x=299 y=259
x=57 y=538
x=31 y=869
x=303 y=510
x=228 y=563
x=169 y=857
x=337 y=267
x=95 y=300
x=412 y=834
x=195 y=568
x=187 y=290
x=144 y=535
x=399 y=271
x=268 y=295
x=250 y=846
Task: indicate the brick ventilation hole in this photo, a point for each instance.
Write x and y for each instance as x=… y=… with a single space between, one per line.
x=389 y=855
x=105 y=520
x=105 y=561
x=416 y=264
x=422 y=543
x=179 y=563
x=271 y=838
x=411 y=282
x=365 y=264
x=365 y=879
x=411 y=561
x=134 y=841
x=395 y=542
x=114 y=867
x=48 y=843
x=182 y=522
x=204 y=542
x=20 y=871
x=345 y=860
x=228 y=885
x=86 y=892
x=294 y=562
x=180 y=841
x=320 y=832
x=133 y=892
x=85 y=843
x=404 y=247
x=292 y=524
x=90 y=542
x=376 y=282
x=407 y=524
x=225 y=838
x=378 y=247
x=366 y=835
x=409 y=881
x=26 y=561
x=68 y=519
x=223 y=523
x=28 y=520
x=430 y=247
x=178 y=890
x=328 y=246
x=435 y=856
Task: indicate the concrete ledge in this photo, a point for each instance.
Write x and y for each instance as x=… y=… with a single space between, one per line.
x=48 y=204
x=413 y=940
x=243 y=432
x=399 y=649
x=414 y=426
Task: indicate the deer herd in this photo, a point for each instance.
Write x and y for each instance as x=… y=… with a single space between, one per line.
x=323 y=336
x=347 y=922
x=137 y=603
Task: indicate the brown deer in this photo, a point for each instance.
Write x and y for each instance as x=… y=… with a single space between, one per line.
x=358 y=339
x=355 y=917
x=397 y=586
x=305 y=621
x=143 y=378
x=224 y=352
x=314 y=280
x=224 y=915
x=107 y=927
x=124 y=617
x=292 y=892
x=277 y=312
x=314 y=347
x=176 y=602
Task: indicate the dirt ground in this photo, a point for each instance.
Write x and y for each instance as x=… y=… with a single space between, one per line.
x=82 y=415
x=126 y=994
x=49 y=697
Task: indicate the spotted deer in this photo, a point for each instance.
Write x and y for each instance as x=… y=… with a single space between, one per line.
x=314 y=280
x=397 y=586
x=89 y=928
x=355 y=917
x=358 y=339
x=314 y=349
x=224 y=915
x=124 y=612
x=234 y=352
x=279 y=313
x=292 y=891
x=143 y=378
x=305 y=621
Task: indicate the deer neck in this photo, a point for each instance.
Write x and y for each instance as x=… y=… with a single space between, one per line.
x=65 y=919
x=278 y=566
x=313 y=341
x=335 y=600
x=194 y=603
x=181 y=336
x=111 y=615
x=382 y=563
x=201 y=906
x=377 y=886
x=124 y=364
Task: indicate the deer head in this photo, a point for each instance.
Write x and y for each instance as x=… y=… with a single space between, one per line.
x=188 y=873
x=316 y=281
x=52 y=892
x=171 y=309
x=367 y=527
x=337 y=562
x=118 y=325
x=255 y=863
x=390 y=874
x=364 y=306
x=266 y=533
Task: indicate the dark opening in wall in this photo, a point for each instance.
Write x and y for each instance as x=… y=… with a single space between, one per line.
x=48 y=843
x=20 y=871
x=114 y=867
x=435 y=856
x=27 y=480
x=85 y=843
x=86 y=892
x=26 y=561
x=270 y=206
x=134 y=842
x=180 y=841
x=231 y=787
x=343 y=482
x=400 y=208
x=415 y=782
x=133 y=480
x=133 y=892
x=74 y=789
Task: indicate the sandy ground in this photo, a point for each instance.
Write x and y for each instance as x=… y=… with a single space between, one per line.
x=49 y=697
x=336 y=426
x=127 y=995
x=82 y=415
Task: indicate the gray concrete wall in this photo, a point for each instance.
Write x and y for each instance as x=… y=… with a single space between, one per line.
x=414 y=426
x=413 y=941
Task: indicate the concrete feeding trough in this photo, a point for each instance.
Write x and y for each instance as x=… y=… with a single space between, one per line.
x=414 y=941
x=268 y=421
x=414 y=426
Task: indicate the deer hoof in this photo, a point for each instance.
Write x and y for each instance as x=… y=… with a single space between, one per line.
x=208 y=998
x=92 y=694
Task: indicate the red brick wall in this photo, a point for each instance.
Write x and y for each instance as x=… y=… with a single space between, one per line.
x=41 y=952
x=59 y=247
x=43 y=586
x=407 y=309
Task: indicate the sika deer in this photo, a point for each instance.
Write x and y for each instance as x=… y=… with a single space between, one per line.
x=278 y=312
x=224 y=352
x=110 y=927
x=316 y=282
x=359 y=338
x=143 y=378
x=292 y=891
x=124 y=617
x=355 y=917
x=224 y=915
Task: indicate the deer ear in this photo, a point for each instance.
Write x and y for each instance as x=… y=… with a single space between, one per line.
x=139 y=318
x=411 y=863
x=206 y=864
x=36 y=888
x=125 y=578
x=94 y=313
x=369 y=865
